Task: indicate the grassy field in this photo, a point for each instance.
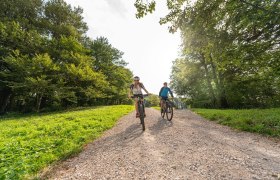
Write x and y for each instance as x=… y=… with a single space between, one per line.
x=263 y=121
x=31 y=142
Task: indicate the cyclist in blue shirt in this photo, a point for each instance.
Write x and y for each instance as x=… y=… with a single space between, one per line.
x=163 y=93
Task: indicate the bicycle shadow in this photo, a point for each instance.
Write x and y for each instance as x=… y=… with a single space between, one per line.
x=160 y=126
x=119 y=140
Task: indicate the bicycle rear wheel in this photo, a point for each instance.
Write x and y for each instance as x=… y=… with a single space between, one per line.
x=142 y=115
x=169 y=112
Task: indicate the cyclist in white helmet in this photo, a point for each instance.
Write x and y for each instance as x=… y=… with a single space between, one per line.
x=136 y=90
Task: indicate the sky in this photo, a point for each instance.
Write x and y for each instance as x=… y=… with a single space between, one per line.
x=148 y=47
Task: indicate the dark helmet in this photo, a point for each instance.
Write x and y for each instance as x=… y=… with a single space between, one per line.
x=136 y=78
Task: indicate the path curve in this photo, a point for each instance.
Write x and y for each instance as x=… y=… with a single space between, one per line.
x=188 y=147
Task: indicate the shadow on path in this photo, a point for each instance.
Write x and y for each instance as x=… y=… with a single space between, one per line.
x=160 y=126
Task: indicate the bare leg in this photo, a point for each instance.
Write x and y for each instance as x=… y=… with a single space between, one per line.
x=136 y=106
x=162 y=104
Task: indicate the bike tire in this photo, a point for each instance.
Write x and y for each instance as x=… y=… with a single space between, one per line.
x=142 y=115
x=169 y=112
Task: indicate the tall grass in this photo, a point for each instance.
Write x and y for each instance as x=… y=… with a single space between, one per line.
x=30 y=143
x=263 y=121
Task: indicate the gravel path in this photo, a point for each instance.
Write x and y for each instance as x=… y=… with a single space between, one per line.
x=188 y=147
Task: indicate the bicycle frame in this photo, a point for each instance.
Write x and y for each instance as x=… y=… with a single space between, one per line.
x=141 y=108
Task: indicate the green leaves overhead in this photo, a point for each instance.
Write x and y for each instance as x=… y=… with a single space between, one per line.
x=230 y=54
x=62 y=20
x=144 y=7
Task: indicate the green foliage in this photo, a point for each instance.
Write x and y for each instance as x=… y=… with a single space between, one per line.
x=143 y=8
x=108 y=61
x=25 y=12
x=47 y=62
x=31 y=142
x=34 y=75
x=230 y=54
x=62 y=20
x=152 y=100
x=229 y=58
x=263 y=121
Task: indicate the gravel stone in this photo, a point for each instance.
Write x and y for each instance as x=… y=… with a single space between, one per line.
x=188 y=147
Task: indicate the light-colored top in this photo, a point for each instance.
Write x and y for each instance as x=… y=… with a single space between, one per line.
x=136 y=89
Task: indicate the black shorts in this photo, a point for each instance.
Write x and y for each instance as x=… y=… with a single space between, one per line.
x=138 y=95
x=163 y=98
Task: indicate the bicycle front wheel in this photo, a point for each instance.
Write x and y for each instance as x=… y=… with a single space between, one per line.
x=142 y=115
x=169 y=112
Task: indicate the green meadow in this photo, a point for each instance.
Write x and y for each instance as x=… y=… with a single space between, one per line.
x=28 y=143
x=262 y=121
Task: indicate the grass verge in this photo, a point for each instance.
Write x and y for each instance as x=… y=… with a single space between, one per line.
x=262 y=121
x=31 y=142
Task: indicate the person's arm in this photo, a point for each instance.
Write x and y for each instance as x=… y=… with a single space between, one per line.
x=130 y=91
x=171 y=93
x=146 y=90
x=143 y=87
x=160 y=91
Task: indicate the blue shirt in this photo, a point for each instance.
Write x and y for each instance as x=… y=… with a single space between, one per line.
x=164 y=92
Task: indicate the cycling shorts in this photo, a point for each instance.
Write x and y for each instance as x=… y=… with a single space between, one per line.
x=138 y=95
x=164 y=98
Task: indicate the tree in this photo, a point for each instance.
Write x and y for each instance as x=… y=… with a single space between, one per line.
x=47 y=61
x=62 y=20
x=18 y=19
x=143 y=8
x=33 y=79
x=14 y=38
x=153 y=100
x=108 y=61
x=235 y=43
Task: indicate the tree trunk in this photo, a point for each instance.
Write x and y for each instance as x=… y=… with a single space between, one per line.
x=4 y=99
x=222 y=96
x=38 y=102
x=219 y=81
x=208 y=78
x=216 y=79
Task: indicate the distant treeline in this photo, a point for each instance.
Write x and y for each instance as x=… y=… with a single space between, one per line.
x=48 y=62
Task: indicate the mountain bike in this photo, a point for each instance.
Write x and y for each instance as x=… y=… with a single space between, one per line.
x=167 y=109
x=141 y=108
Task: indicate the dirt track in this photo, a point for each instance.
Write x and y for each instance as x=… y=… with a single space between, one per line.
x=188 y=147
